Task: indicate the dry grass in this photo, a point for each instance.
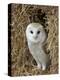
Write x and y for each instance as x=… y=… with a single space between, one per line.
x=22 y=61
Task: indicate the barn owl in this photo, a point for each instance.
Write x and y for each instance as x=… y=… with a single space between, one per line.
x=36 y=37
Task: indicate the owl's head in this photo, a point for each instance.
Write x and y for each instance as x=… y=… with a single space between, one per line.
x=35 y=33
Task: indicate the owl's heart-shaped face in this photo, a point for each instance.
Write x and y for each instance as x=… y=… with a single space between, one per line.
x=35 y=33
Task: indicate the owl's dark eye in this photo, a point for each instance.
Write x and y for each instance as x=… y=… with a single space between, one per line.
x=38 y=32
x=31 y=32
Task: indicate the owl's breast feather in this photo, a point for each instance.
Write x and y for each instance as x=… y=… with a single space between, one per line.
x=37 y=51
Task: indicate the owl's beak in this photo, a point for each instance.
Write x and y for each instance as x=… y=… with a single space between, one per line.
x=35 y=37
